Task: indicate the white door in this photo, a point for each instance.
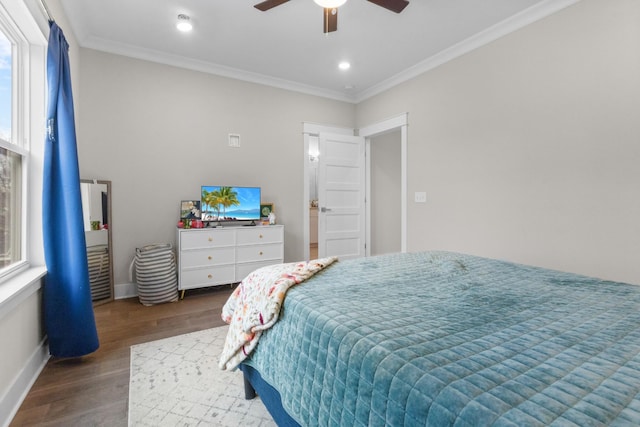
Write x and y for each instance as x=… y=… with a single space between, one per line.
x=341 y=196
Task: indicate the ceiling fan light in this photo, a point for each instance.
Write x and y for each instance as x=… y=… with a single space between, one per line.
x=330 y=4
x=184 y=23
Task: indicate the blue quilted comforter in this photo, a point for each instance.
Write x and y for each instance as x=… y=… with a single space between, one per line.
x=447 y=339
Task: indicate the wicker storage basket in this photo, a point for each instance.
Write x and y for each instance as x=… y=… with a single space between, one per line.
x=155 y=270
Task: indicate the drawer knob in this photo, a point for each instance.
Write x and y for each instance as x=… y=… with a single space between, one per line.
x=260 y=252
x=209 y=276
x=211 y=239
x=210 y=257
x=261 y=236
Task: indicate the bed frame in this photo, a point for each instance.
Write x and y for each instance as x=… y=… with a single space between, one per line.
x=255 y=385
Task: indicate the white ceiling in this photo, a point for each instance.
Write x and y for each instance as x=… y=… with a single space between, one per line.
x=285 y=46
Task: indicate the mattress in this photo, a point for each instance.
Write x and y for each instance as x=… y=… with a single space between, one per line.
x=439 y=338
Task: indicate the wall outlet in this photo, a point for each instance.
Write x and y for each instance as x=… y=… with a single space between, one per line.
x=420 y=197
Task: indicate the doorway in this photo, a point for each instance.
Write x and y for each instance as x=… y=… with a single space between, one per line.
x=383 y=231
x=384 y=200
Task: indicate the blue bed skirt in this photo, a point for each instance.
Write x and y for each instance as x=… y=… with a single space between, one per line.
x=269 y=396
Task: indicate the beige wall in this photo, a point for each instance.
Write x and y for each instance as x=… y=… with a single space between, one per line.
x=385 y=172
x=21 y=332
x=528 y=148
x=160 y=132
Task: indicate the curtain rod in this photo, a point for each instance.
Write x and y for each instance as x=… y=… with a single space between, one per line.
x=46 y=10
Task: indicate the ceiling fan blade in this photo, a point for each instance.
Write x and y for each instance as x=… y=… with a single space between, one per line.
x=396 y=6
x=330 y=20
x=266 y=5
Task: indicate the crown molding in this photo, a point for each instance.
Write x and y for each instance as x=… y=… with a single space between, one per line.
x=151 y=55
x=501 y=29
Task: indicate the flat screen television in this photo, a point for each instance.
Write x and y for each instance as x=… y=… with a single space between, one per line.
x=230 y=204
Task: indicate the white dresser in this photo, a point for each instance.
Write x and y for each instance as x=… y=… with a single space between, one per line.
x=218 y=256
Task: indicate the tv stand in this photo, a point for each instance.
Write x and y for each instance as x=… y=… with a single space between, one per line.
x=223 y=255
x=251 y=224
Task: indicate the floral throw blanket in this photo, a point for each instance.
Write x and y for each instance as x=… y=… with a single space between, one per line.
x=255 y=305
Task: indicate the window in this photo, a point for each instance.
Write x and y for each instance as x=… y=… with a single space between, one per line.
x=6 y=89
x=19 y=64
x=10 y=212
x=10 y=166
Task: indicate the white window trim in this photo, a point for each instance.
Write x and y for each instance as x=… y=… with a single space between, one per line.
x=27 y=26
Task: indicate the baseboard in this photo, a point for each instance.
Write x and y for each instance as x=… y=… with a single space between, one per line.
x=125 y=290
x=18 y=391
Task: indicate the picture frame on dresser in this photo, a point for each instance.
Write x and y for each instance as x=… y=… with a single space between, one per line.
x=266 y=209
x=190 y=209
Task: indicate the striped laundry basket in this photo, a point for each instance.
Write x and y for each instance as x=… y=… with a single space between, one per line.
x=156 y=275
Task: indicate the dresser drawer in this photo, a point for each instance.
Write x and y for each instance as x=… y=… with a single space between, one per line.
x=259 y=253
x=209 y=257
x=243 y=270
x=224 y=255
x=195 y=239
x=259 y=235
x=203 y=277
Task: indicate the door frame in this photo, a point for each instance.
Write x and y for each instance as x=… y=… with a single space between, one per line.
x=400 y=122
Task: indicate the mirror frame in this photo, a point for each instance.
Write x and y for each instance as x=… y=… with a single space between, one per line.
x=109 y=240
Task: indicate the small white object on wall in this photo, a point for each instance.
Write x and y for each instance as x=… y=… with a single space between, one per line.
x=420 y=197
x=234 y=140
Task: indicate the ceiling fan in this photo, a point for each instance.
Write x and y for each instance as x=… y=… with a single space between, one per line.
x=331 y=9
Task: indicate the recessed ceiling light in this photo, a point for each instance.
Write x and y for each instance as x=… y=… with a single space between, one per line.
x=184 y=23
x=344 y=65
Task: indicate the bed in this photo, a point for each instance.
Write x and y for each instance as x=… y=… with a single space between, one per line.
x=439 y=338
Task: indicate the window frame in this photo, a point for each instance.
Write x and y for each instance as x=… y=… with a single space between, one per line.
x=26 y=27
x=19 y=143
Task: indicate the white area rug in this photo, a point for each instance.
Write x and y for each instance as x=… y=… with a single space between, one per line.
x=176 y=382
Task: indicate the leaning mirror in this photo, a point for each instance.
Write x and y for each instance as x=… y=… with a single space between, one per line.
x=96 y=213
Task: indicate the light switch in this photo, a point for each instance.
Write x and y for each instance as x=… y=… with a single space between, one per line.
x=420 y=197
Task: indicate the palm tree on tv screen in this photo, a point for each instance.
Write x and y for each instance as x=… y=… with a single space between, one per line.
x=210 y=199
x=227 y=198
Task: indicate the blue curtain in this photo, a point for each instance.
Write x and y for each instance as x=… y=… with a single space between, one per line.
x=69 y=319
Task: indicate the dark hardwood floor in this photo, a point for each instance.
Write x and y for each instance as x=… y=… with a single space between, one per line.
x=94 y=390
